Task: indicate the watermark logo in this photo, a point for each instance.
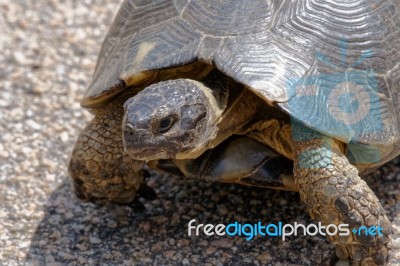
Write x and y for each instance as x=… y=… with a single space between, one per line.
x=249 y=231
x=368 y=231
x=342 y=100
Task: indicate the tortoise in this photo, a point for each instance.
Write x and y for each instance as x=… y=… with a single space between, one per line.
x=297 y=95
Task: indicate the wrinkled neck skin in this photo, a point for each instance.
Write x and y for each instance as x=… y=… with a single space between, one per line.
x=241 y=108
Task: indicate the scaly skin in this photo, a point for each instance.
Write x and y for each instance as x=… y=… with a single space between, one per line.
x=334 y=193
x=99 y=167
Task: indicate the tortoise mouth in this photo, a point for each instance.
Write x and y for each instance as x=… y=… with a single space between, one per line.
x=145 y=154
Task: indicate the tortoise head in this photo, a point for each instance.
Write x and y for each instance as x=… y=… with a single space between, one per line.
x=170 y=120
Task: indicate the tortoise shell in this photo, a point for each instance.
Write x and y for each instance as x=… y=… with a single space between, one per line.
x=332 y=65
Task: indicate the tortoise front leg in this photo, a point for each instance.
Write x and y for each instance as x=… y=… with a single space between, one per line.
x=99 y=167
x=334 y=194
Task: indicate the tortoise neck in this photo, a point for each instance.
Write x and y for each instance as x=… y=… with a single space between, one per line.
x=243 y=106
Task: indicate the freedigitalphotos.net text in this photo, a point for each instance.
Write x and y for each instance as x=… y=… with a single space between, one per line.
x=278 y=229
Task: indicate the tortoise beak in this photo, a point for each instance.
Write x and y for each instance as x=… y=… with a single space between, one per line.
x=135 y=144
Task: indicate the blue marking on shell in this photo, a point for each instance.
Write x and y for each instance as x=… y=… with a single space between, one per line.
x=350 y=102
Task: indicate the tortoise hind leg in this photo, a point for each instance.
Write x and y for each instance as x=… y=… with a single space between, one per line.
x=99 y=167
x=237 y=160
x=334 y=194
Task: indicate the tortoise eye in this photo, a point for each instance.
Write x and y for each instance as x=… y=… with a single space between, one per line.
x=166 y=123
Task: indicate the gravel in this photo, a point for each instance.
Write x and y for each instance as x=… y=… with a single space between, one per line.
x=48 y=53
